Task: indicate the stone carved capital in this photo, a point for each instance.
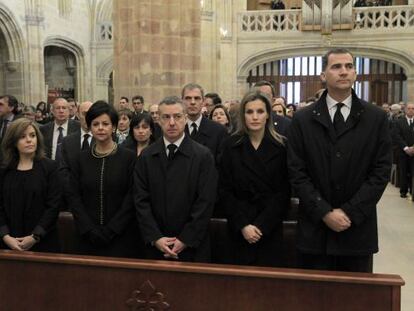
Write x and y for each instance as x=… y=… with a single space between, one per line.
x=12 y=66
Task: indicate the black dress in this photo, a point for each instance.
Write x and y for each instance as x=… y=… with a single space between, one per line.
x=253 y=190
x=101 y=202
x=30 y=203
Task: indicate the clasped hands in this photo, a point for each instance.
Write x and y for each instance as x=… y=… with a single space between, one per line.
x=170 y=246
x=337 y=220
x=251 y=233
x=19 y=244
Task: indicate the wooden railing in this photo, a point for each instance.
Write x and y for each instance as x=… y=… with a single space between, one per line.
x=383 y=18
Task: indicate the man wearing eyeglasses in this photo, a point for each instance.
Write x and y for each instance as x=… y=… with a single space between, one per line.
x=200 y=128
x=138 y=105
x=175 y=188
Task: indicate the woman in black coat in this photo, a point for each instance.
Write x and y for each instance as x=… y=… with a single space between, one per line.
x=253 y=184
x=29 y=191
x=100 y=188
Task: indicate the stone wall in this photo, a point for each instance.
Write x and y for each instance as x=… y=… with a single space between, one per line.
x=156 y=47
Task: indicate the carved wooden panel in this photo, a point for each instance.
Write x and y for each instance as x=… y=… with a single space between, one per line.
x=147 y=298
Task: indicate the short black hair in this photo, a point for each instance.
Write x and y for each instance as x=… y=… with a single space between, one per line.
x=141 y=99
x=99 y=108
x=12 y=102
x=215 y=98
x=137 y=119
x=126 y=98
x=266 y=83
x=325 y=58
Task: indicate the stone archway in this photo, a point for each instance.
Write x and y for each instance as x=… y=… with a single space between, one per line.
x=77 y=66
x=12 y=78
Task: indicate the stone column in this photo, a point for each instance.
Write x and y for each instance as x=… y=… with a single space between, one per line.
x=36 y=74
x=156 y=47
x=410 y=88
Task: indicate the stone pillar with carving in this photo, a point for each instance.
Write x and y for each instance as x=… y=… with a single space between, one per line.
x=156 y=47
x=35 y=60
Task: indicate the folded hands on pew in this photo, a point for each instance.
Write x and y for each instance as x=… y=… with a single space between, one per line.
x=170 y=246
x=19 y=244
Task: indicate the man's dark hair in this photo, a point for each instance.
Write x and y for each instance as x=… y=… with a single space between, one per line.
x=263 y=83
x=99 y=108
x=192 y=86
x=139 y=97
x=325 y=58
x=12 y=102
x=126 y=98
x=214 y=97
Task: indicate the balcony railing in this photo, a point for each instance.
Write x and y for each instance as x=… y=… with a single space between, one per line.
x=387 y=17
x=269 y=21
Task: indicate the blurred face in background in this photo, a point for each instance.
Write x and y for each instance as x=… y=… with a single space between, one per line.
x=142 y=132
x=153 y=110
x=219 y=116
x=123 y=123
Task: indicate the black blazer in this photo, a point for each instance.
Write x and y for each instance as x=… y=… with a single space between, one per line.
x=210 y=134
x=402 y=134
x=281 y=124
x=47 y=132
x=347 y=170
x=176 y=199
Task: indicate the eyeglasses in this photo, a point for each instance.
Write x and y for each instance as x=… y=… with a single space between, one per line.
x=137 y=103
x=176 y=117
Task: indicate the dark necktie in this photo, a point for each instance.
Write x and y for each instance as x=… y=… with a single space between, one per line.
x=3 y=130
x=194 y=131
x=338 y=120
x=85 y=142
x=59 y=144
x=171 y=151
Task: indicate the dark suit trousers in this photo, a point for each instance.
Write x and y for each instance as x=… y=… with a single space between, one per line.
x=406 y=172
x=336 y=263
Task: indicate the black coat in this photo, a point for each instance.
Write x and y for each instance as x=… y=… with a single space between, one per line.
x=402 y=134
x=176 y=199
x=39 y=208
x=253 y=188
x=101 y=199
x=210 y=134
x=47 y=132
x=349 y=171
x=281 y=124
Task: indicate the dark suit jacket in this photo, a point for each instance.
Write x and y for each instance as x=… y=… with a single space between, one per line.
x=403 y=135
x=281 y=124
x=348 y=170
x=176 y=198
x=47 y=132
x=210 y=134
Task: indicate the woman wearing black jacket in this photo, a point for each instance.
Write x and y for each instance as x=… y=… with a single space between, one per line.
x=253 y=184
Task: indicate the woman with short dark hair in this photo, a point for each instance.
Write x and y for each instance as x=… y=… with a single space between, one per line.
x=100 y=189
x=141 y=130
x=29 y=190
x=253 y=184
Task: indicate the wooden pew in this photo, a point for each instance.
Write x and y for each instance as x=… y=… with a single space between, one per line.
x=36 y=281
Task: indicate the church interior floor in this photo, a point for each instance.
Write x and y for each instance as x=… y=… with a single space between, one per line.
x=396 y=242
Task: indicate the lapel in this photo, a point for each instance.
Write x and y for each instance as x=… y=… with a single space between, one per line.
x=354 y=116
x=321 y=115
x=49 y=137
x=158 y=151
x=203 y=130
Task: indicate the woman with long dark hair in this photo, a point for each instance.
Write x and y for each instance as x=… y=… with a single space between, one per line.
x=253 y=184
x=29 y=190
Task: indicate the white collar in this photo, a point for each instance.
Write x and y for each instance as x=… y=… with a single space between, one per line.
x=177 y=142
x=332 y=102
x=197 y=122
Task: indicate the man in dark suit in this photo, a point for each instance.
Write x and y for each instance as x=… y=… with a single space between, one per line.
x=138 y=105
x=175 y=184
x=8 y=112
x=280 y=123
x=403 y=139
x=339 y=158
x=199 y=128
x=54 y=131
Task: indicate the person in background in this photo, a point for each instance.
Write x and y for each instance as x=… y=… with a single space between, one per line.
x=29 y=112
x=140 y=133
x=122 y=132
x=30 y=191
x=211 y=100
x=155 y=115
x=124 y=103
x=220 y=115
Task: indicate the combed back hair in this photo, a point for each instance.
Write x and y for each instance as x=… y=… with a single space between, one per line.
x=252 y=96
x=139 y=97
x=125 y=112
x=265 y=83
x=325 y=58
x=124 y=97
x=172 y=100
x=12 y=102
x=137 y=119
x=192 y=86
x=215 y=98
x=13 y=133
x=99 y=108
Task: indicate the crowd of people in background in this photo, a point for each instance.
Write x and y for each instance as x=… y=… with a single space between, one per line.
x=145 y=183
